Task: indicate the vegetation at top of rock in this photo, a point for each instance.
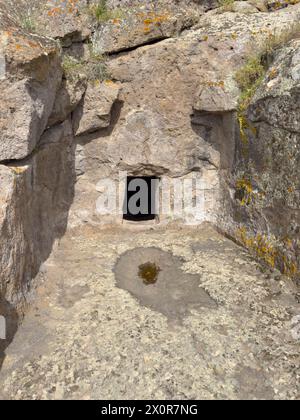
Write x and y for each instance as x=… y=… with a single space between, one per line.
x=250 y=76
x=23 y=14
x=101 y=13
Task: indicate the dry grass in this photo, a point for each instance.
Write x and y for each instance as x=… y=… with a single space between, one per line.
x=100 y=13
x=22 y=14
x=93 y=69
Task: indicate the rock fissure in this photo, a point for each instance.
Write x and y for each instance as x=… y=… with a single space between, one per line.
x=137 y=47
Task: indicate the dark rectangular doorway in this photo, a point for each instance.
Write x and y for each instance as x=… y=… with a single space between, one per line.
x=140 y=202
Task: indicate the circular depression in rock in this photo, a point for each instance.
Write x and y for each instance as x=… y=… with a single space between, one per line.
x=156 y=279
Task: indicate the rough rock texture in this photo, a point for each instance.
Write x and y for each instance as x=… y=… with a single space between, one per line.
x=85 y=338
x=270 y=167
x=170 y=132
x=68 y=97
x=35 y=199
x=95 y=112
x=32 y=77
x=214 y=98
x=140 y=26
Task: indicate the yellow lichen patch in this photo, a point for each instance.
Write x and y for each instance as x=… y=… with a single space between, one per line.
x=244 y=126
x=110 y=83
x=273 y=73
x=211 y=83
x=152 y=19
x=260 y=245
x=245 y=189
x=290 y=268
x=269 y=250
x=18 y=169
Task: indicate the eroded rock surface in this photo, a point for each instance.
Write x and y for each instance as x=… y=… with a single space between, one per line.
x=86 y=338
x=269 y=163
x=35 y=199
x=95 y=112
x=28 y=89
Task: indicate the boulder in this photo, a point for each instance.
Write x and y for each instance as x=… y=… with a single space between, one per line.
x=67 y=99
x=139 y=25
x=95 y=112
x=32 y=76
x=216 y=98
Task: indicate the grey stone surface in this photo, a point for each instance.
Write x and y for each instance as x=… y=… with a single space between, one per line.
x=95 y=112
x=175 y=292
x=271 y=164
x=35 y=198
x=86 y=338
x=33 y=75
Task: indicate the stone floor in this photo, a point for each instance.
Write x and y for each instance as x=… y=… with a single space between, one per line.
x=214 y=326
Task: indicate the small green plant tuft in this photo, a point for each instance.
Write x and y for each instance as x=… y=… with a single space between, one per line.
x=102 y=14
x=28 y=23
x=100 y=11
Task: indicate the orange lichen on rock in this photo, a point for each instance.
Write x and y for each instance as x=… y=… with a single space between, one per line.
x=152 y=19
x=61 y=7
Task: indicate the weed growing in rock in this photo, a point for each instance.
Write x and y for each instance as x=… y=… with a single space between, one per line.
x=28 y=23
x=96 y=67
x=244 y=191
x=102 y=14
x=277 y=40
x=23 y=14
x=249 y=77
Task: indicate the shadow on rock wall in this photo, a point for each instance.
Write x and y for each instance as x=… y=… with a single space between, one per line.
x=38 y=193
x=8 y=326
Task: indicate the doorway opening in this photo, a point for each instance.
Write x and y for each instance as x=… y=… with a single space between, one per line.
x=141 y=198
